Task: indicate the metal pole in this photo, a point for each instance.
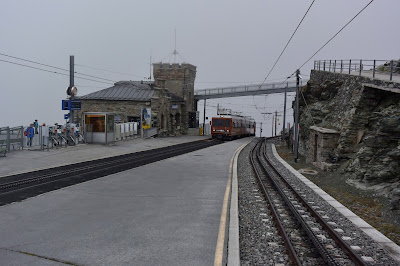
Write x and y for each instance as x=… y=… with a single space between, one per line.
x=204 y=120
x=71 y=84
x=349 y=66
x=324 y=65
x=360 y=67
x=373 y=73
x=296 y=127
x=8 y=146
x=284 y=111
x=391 y=69
x=141 y=123
x=276 y=118
x=341 y=66
x=272 y=126
x=330 y=61
x=334 y=67
x=260 y=129
x=22 y=137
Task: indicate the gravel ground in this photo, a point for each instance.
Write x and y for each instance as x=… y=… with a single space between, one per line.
x=259 y=246
x=260 y=243
x=373 y=209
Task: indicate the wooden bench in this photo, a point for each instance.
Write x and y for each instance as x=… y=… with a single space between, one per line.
x=3 y=147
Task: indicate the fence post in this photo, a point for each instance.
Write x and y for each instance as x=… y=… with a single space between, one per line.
x=360 y=66
x=349 y=66
x=341 y=66
x=330 y=61
x=324 y=65
x=8 y=140
x=334 y=67
x=22 y=137
x=373 y=72
x=391 y=69
x=319 y=65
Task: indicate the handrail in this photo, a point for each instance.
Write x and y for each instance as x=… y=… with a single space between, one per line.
x=390 y=67
x=245 y=88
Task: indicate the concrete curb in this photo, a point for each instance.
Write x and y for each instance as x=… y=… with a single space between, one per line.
x=386 y=243
x=233 y=242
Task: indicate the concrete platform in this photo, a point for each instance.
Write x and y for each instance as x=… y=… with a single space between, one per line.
x=164 y=213
x=34 y=159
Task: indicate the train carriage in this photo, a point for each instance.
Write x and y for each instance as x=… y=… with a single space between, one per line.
x=232 y=127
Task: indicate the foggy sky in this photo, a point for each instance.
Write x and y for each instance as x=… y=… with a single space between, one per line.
x=228 y=41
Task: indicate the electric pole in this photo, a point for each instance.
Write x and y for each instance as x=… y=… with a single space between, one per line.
x=296 y=125
x=272 y=126
x=284 y=112
x=71 y=84
x=276 y=118
x=204 y=121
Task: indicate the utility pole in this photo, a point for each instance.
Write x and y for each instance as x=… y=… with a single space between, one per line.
x=296 y=125
x=284 y=113
x=71 y=84
x=150 y=68
x=276 y=118
x=204 y=120
x=260 y=129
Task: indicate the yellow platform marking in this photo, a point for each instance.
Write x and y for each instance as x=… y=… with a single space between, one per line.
x=219 y=251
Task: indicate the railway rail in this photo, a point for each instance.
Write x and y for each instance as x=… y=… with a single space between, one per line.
x=308 y=238
x=21 y=186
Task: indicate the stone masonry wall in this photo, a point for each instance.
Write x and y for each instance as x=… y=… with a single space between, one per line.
x=366 y=112
x=178 y=79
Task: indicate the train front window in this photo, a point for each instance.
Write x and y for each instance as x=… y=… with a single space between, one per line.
x=227 y=123
x=218 y=122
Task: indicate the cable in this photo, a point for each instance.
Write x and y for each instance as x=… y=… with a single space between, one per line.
x=30 y=61
x=59 y=68
x=288 y=42
x=54 y=72
x=336 y=34
x=115 y=72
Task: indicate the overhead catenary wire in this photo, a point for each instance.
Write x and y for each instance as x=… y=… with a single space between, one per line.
x=105 y=70
x=50 y=71
x=336 y=34
x=50 y=66
x=291 y=37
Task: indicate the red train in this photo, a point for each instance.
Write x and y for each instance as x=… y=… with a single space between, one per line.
x=231 y=127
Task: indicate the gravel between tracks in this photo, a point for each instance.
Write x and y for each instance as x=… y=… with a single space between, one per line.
x=258 y=247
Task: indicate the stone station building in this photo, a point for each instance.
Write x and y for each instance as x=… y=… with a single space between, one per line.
x=170 y=97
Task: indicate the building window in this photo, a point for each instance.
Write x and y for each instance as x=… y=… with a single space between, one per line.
x=98 y=122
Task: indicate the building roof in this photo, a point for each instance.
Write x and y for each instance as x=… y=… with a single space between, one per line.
x=123 y=91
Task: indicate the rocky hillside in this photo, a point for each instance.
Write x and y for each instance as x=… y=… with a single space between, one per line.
x=367 y=114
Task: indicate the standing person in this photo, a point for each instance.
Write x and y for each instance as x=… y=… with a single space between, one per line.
x=30 y=133
x=36 y=126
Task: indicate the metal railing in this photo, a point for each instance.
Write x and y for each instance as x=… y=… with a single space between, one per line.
x=13 y=136
x=245 y=88
x=360 y=66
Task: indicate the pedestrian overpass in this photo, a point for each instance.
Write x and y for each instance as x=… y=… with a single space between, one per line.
x=245 y=90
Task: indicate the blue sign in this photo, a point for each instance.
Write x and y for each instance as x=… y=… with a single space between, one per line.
x=66 y=116
x=71 y=105
x=64 y=104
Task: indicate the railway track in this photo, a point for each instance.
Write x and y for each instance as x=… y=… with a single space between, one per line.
x=308 y=238
x=21 y=186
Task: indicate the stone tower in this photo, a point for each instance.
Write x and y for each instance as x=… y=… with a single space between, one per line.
x=177 y=79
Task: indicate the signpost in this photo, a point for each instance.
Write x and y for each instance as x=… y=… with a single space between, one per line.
x=71 y=105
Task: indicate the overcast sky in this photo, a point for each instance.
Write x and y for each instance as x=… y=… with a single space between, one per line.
x=229 y=42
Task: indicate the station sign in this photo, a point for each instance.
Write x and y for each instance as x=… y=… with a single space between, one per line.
x=71 y=105
x=66 y=116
